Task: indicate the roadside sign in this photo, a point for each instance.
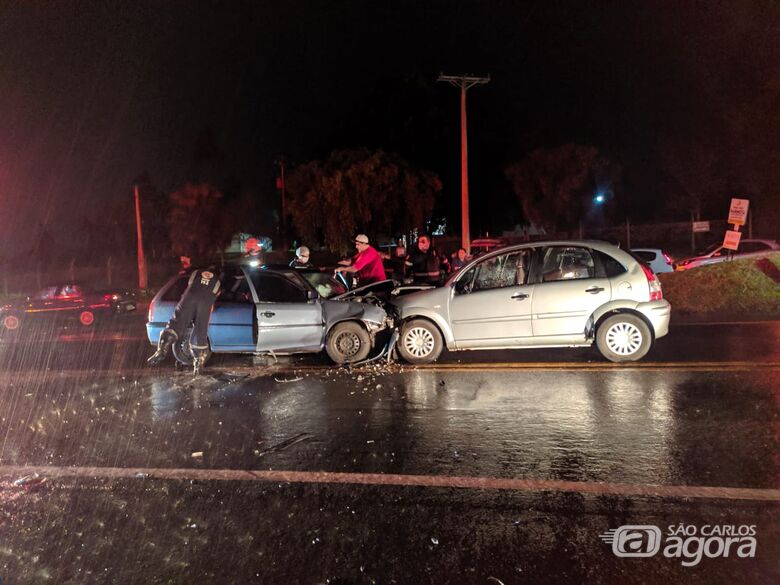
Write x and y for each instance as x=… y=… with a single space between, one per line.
x=701 y=226
x=738 y=211
x=731 y=241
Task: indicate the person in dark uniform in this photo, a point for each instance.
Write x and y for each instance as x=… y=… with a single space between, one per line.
x=194 y=309
x=426 y=263
x=301 y=259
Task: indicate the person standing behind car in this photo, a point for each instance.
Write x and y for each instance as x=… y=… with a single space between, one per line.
x=459 y=259
x=426 y=263
x=301 y=259
x=366 y=264
x=194 y=309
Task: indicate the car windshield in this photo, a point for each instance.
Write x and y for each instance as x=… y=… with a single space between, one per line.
x=325 y=284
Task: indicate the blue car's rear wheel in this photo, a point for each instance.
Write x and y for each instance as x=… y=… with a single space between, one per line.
x=182 y=350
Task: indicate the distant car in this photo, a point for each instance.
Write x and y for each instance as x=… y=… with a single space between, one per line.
x=542 y=294
x=278 y=310
x=64 y=304
x=717 y=253
x=655 y=258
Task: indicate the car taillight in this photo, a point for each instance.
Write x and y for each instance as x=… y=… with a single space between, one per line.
x=110 y=297
x=151 y=312
x=656 y=294
x=668 y=259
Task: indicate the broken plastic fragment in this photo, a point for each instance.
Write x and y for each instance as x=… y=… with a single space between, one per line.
x=30 y=481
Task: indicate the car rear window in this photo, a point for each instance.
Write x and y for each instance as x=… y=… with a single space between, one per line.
x=176 y=289
x=644 y=255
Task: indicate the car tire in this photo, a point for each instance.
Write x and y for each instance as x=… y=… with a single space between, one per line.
x=183 y=352
x=11 y=322
x=624 y=338
x=420 y=342
x=348 y=342
x=87 y=318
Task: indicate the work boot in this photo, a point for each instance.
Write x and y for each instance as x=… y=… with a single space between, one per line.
x=199 y=362
x=167 y=337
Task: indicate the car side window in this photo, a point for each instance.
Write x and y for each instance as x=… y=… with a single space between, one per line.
x=46 y=293
x=69 y=291
x=567 y=263
x=235 y=289
x=611 y=267
x=499 y=271
x=272 y=288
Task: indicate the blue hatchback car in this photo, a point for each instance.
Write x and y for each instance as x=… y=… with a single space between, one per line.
x=277 y=310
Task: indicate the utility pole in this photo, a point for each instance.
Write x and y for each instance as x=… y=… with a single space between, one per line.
x=280 y=184
x=464 y=82
x=143 y=278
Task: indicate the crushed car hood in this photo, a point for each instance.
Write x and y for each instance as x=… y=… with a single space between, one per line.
x=380 y=289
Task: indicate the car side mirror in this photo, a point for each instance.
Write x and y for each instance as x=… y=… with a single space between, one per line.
x=312 y=295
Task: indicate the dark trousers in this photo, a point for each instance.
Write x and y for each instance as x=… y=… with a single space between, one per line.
x=189 y=310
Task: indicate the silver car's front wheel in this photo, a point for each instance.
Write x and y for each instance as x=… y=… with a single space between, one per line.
x=623 y=338
x=420 y=342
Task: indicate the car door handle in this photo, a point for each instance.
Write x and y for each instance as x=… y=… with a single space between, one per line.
x=594 y=290
x=268 y=314
x=520 y=296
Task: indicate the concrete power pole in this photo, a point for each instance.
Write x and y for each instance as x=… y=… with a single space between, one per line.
x=143 y=278
x=464 y=82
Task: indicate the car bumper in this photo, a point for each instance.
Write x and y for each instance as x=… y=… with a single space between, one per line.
x=658 y=313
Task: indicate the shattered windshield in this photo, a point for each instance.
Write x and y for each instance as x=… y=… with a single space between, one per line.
x=325 y=284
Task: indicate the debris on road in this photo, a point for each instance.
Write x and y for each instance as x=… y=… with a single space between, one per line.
x=284 y=444
x=197 y=455
x=30 y=482
x=283 y=380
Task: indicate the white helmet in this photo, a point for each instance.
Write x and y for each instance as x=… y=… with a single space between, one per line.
x=302 y=251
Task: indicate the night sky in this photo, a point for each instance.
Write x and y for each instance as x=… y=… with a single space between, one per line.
x=94 y=94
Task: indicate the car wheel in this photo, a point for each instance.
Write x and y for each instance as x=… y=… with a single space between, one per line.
x=624 y=338
x=87 y=318
x=347 y=343
x=11 y=322
x=182 y=350
x=420 y=342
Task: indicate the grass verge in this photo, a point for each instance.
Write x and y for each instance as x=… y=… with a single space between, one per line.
x=734 y=288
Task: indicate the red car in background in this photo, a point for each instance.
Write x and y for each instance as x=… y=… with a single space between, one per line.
x=64 y=304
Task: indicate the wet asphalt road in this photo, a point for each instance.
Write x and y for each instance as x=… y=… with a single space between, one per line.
x=503 y=467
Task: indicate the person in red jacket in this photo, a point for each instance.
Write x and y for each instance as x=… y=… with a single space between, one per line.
x=366 y=264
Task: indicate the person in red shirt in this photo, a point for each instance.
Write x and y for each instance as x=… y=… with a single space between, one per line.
x=367 y=263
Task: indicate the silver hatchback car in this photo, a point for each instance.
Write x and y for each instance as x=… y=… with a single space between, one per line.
x=541 y=294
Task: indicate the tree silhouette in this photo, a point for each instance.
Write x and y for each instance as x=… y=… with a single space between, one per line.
x=556 y=186
x=197 y=228
x=359 y=190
